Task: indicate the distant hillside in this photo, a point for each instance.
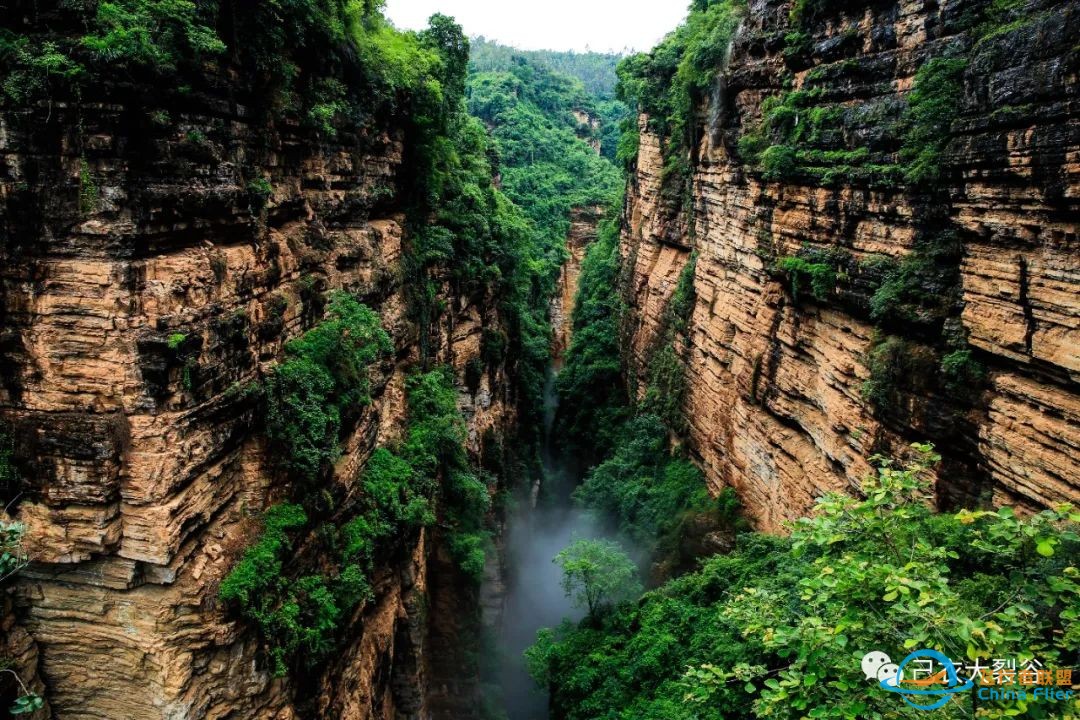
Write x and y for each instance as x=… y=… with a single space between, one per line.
x=556 y=82
x=595 y=70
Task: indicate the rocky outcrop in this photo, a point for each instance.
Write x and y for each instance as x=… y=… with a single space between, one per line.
x=583 y=228
x=775 y=404
x=150 y=272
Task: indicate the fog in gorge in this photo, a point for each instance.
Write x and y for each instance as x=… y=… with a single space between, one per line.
x=534 y=597
x=542 y=523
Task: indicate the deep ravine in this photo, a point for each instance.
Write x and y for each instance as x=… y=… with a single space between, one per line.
x=542 y=521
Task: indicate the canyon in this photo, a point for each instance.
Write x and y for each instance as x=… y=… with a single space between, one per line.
x=161 y=249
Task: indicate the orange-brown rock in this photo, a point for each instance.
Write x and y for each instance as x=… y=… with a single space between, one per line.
x=583 y=228
x=145 y=464
x=775 y=404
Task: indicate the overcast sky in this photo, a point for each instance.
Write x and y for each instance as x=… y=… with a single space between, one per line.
x=600 y=25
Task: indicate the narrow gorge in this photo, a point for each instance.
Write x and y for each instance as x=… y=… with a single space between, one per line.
x=365 y=373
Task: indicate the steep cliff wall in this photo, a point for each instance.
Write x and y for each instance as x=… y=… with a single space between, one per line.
x=583 y=228
x=156 y=259
x=780 y=401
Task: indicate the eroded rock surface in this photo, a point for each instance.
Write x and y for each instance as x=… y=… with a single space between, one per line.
x=775 y=402
x=134 y=318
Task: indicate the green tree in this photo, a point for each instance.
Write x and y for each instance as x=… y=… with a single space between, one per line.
x=597 y=573
x=777 y=628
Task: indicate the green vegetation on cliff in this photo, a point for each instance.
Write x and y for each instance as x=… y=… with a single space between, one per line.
x=593 y=393
x=635 y=478
x=326 y=61
x=547 y=169
x=322 y=385
x=671 y=81
x=404 y=487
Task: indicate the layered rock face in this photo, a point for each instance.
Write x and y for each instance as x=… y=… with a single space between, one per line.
x=776 y=404
x=151 y=271
x=583 y=228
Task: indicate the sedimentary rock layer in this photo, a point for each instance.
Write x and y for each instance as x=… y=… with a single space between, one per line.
x=148 y=278
x=775 y=402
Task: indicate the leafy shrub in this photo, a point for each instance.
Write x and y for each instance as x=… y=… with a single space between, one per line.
x=821 y=277
x=932 y=105
x=262 y=562
x=963 y=374
x=32 y=69
x=9 y=476
x=680 y=306
x=323 y=379
x=666 y=385
x=175 y=341
x=152 y=33
x=778 y=162
x=296 y=618
x=804 y=11
x=89 y=191
x=923 y=288
x=259 y=191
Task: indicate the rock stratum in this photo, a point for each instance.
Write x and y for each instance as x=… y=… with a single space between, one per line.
x=145 y=282
x=776 y=402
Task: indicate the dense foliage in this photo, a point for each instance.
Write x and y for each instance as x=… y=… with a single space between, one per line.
x=403 y=488
x=668 y=83
x=547 y=169
x=326 y=61
x=648 y=492
x=777 y=628
x=596 y=71
x=322 y=384
x=593 y=394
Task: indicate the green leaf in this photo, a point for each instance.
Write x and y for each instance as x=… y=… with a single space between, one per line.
x=1045 y=548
